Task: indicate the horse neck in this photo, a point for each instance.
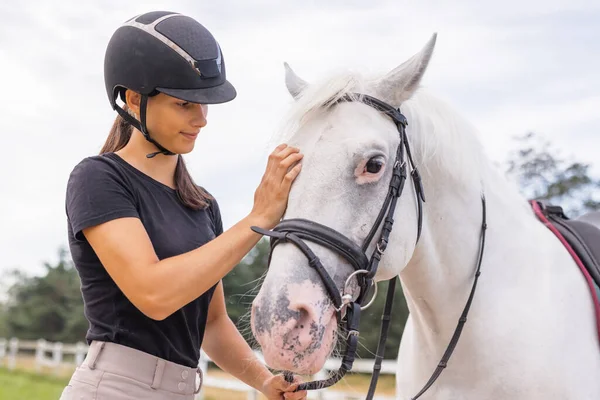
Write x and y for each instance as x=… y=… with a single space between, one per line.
x=439 y=276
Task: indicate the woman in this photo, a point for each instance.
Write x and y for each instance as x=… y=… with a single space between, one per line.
x=147 y=242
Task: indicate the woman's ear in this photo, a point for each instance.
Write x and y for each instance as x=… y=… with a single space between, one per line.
x=133 y=100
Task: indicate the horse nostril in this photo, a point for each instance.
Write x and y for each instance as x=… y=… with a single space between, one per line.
x=305 y=314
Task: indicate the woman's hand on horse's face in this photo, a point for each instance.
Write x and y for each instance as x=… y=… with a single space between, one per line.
x=271 y=196
x=277 y=388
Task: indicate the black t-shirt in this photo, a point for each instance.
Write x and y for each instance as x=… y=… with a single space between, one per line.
x=106 y=187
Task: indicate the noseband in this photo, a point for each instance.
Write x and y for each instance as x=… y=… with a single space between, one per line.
x=298 y=230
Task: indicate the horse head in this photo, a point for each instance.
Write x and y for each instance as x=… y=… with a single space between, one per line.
x=351 y=155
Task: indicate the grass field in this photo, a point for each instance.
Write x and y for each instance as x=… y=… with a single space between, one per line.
x=22 y=385
x=25 y=384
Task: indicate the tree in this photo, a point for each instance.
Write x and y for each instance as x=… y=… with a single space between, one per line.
x=242 y=284
x=543 y=174
x=48 y=306
x=370 y=324
x=3 y=326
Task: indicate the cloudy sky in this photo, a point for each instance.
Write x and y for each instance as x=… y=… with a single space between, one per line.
x=510 y=67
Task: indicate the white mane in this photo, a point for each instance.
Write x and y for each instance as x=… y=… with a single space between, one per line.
x=441 y=139
x=314 y=100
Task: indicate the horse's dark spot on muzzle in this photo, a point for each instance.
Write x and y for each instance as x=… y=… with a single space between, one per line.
x=267 y=312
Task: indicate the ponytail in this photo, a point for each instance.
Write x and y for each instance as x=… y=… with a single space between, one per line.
x=119 y=135
x=190 y=194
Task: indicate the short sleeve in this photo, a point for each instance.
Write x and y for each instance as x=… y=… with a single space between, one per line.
x=97 y=193
x=216 y=217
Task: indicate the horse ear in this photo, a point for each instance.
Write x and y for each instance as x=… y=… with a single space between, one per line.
x=294 y=83
x=402 y=82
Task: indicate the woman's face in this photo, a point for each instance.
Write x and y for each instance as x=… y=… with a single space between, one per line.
x=172 y=122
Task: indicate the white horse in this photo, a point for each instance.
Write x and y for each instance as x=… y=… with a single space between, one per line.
x=531 y=331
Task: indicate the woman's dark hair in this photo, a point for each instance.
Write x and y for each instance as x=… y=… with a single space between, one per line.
x=189 y=193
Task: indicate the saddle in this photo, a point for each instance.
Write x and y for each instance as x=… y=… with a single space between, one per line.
x=581 y=237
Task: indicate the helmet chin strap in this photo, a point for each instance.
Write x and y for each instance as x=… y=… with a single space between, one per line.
x=141 y=126
x=161 y=149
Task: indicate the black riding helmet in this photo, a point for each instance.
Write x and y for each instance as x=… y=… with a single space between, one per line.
x=167 y=52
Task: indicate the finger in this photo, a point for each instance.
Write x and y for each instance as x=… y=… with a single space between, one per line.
x=289 y=387
x=287 y=151
x=277 y=157
x=284 y=167
x=292 y=386
x=290 y=176
x=280 y=383
x=290 y=160
x=278 y=149
x=295 y=395
x=274 y=156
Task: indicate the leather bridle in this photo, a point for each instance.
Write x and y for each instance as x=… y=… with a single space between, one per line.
x=298 y=230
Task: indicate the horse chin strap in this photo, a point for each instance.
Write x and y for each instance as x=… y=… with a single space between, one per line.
x=296 y=231
x=141 y=126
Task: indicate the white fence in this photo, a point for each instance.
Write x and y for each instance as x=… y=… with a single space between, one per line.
x=51 y=355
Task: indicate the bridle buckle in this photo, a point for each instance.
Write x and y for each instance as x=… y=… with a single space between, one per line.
x=346 y=299
x=379 y=249
x=352 y=333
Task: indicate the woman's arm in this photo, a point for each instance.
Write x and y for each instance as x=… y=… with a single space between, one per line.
x=160 y=287
x=227 y=348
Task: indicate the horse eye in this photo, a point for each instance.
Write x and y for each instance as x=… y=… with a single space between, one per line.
x=374 y=165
